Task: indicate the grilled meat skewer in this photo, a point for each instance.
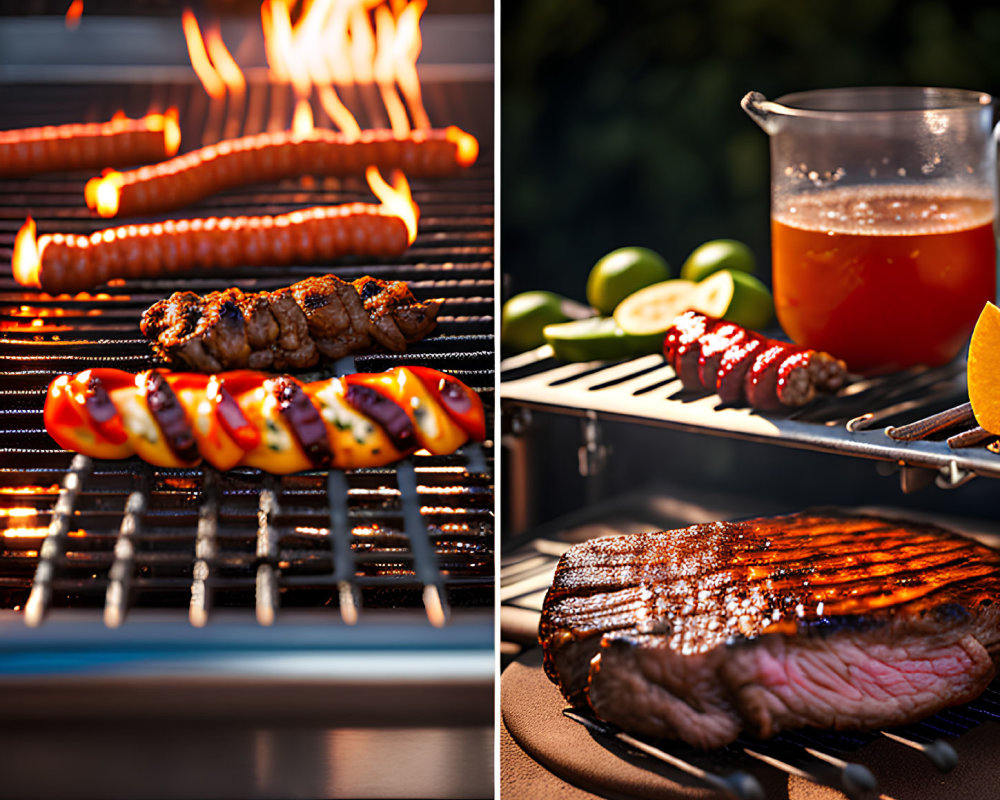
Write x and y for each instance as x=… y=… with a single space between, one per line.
x=744 y=367
x=252 y=419
x=321 y=318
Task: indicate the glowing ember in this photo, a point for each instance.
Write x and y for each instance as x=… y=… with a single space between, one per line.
x=396 y=199
x=18 y=512
x=24 y=533
x=73 y=14
x=206 y=72
x=52 y=489
x=27 y=263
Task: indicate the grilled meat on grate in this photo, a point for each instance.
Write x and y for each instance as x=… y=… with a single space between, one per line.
x=744 y=367
x=291 y=328
x=826 y=620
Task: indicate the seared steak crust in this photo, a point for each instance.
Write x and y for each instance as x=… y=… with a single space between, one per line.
x=824 y=619
x=292 y=328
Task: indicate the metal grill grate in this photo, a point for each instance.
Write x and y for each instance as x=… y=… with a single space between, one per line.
x=857 y=421
x=115 y=535
x=823 y=757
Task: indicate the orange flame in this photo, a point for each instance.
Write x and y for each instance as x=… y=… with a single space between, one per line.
x=302 y=121
x=396 y=199
x=206 y=72
x=73 y=14
x=385 y=71
x=27 y=260
x=407 y=49
x=102 y=194
x=466 y=144
x=225 y=64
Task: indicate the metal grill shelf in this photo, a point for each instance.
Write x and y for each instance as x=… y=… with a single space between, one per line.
x=646 y=391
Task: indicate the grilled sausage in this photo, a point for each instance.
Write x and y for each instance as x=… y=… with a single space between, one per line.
x=119 y=142
x=274 y=423
x=273 y=156
x=744 y=367
x=67 y=263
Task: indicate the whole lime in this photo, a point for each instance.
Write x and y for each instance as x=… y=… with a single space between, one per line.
x=623 y=271
x=716 y=255
x=524 y=315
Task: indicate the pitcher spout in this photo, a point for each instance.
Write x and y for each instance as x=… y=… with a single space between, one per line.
x=762 y=111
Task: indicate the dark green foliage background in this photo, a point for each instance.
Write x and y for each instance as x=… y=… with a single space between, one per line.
x=621 y=124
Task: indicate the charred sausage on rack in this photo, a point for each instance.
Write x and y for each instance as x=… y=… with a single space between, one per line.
x=745 y=367
x=65 y=263
x=87 y=145
x=273 y=423
x=267 y=157
x=291 y=328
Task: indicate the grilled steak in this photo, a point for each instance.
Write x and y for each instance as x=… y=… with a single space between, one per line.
x=292 y=328
x=824 y=620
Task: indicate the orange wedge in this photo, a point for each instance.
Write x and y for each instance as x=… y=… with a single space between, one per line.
x=983 y=369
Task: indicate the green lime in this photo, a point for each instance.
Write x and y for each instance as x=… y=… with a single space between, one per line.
x=653 y=308
x=717 y=255
x=598 y=338
x=735 y=296
x=524 y=315
x=621 y=272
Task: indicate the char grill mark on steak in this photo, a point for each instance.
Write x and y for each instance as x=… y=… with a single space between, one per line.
x=817 y=619
x=291 y=328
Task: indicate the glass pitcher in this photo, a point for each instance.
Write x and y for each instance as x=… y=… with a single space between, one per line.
x=882 y=209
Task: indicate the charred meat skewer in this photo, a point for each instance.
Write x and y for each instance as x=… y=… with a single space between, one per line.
x=745 y=367
x=321 y=318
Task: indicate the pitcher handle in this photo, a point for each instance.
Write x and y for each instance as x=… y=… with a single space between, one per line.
x=762 y=111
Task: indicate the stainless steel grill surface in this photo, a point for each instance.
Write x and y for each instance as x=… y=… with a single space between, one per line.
x=110 y=535
x=859 y=420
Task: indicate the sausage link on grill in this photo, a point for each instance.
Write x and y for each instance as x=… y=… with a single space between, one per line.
x=745 y=367
x=265 y=157
x=66 y=263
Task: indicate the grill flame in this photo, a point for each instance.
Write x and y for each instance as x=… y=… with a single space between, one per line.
x=330 y=43
x=27 y=262
x=73 y=14
x=200 y=61
x=396 y=199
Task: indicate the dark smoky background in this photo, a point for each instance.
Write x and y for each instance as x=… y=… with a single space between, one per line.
x=621 y=122
x=621 y=125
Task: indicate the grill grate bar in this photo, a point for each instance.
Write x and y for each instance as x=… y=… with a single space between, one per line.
x=205 y=551
x=267 y=553
x=339 y=537
x=116 y=599
x=52 y=548
x=424 y=558
x=854 y=780
x=197 y=539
